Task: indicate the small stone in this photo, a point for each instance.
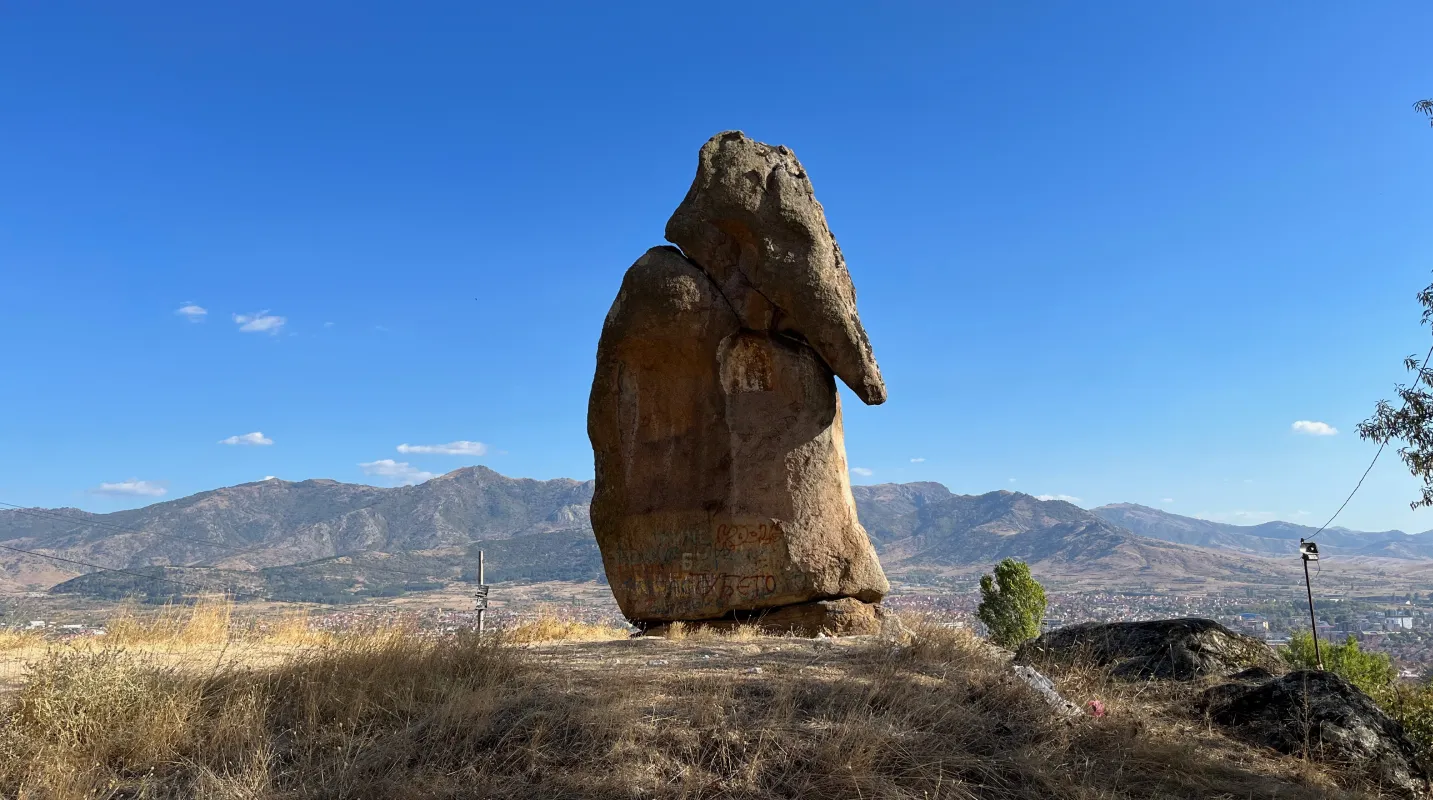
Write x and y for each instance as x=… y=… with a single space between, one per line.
x=657 y=662
x=752 y=670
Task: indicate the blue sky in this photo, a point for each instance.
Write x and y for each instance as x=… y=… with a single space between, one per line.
x=1112 y=251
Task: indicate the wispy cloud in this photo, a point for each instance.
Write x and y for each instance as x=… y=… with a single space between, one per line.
x=917 y=460
x=1065 y=497
x=397 y=473
x=131 y=488
x=459 y=448
x=270 y=478
x=1012 y=480
x=260 y=322
x=862 y=471
x=1167 y=500
x=192 y=312
x=255 y=438
x=1314 y=428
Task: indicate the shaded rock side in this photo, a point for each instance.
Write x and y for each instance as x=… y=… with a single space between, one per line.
x=845 y=616
x=1322 y=717
x=1179 y=649
x=751 y=220
x=721 y=482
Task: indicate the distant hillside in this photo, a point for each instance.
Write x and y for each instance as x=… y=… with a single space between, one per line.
x=920 y=525
x=1271 y=538
x=327 y=541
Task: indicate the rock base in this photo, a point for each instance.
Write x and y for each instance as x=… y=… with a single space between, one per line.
x=845 y=616
x=1322 y=717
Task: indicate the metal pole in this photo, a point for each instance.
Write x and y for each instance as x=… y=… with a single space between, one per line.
x=482 y=579
x=1313 y=621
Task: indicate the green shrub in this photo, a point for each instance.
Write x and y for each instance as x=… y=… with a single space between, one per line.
x=1011 y=603
x=1374 y=673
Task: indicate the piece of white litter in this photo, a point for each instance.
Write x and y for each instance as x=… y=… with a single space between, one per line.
x=657 y=662
x=752 y=670
x=1046 y=689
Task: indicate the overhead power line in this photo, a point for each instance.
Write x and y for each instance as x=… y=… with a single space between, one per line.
x=1381 y=445
x=99 y=568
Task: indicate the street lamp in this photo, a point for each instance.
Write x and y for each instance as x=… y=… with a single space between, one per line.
x=1309 y=551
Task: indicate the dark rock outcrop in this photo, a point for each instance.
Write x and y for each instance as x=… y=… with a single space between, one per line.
x=1178 y=649
x=1322 y=717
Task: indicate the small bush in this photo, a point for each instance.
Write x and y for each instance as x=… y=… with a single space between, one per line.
x=1011 y=603
x=1371 y=672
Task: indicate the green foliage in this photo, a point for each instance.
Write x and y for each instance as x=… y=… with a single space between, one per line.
x=1374 y=673
x=1011 y=603
x=1412 y=705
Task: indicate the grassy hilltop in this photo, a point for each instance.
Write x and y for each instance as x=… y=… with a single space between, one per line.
x=190 y=704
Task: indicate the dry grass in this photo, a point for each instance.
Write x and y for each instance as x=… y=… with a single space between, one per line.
x=205 y=622
x=392 y=715
x=20 y=639
x=548 y=626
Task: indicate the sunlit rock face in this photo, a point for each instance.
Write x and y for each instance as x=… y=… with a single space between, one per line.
x=722 y=485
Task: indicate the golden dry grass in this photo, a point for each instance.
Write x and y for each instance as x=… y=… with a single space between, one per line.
x=206 y=622
x=20 y=639
x=389 y=714
x=548 y=626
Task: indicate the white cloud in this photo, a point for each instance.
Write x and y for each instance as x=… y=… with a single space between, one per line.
x=255 y=438
x=1065 y=497
x=1167 y=500
x=862 y=471
x=917 y=460
x=398 y=473
x=192 y=312
x=1012 y=480
x=459 y=448
x=259 y=322
x=132 y=487
x=270 y=478
x=328 y=324
x=1314 y=428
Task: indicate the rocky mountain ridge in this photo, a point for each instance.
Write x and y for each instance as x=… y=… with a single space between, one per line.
x=1267 y=539
x=332 y=537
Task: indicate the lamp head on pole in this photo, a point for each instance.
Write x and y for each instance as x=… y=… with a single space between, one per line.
x=1309 y=550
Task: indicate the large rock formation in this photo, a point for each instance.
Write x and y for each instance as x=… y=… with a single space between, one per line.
x=722 y=487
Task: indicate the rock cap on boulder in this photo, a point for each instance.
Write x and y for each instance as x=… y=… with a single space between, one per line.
x=751 y=219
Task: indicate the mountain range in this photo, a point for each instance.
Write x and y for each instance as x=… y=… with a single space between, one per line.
x=328 y=541
x=1270 y=538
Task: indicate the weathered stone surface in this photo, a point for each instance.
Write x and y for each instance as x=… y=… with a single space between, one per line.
x=1322 y=717
x=751 y=219
x=1180 y=649
x=721 y=475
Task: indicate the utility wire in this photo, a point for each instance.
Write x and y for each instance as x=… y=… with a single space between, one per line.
x=99 y=568
x=1381 y=445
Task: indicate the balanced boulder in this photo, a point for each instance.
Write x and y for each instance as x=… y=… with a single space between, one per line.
x=722 y=484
